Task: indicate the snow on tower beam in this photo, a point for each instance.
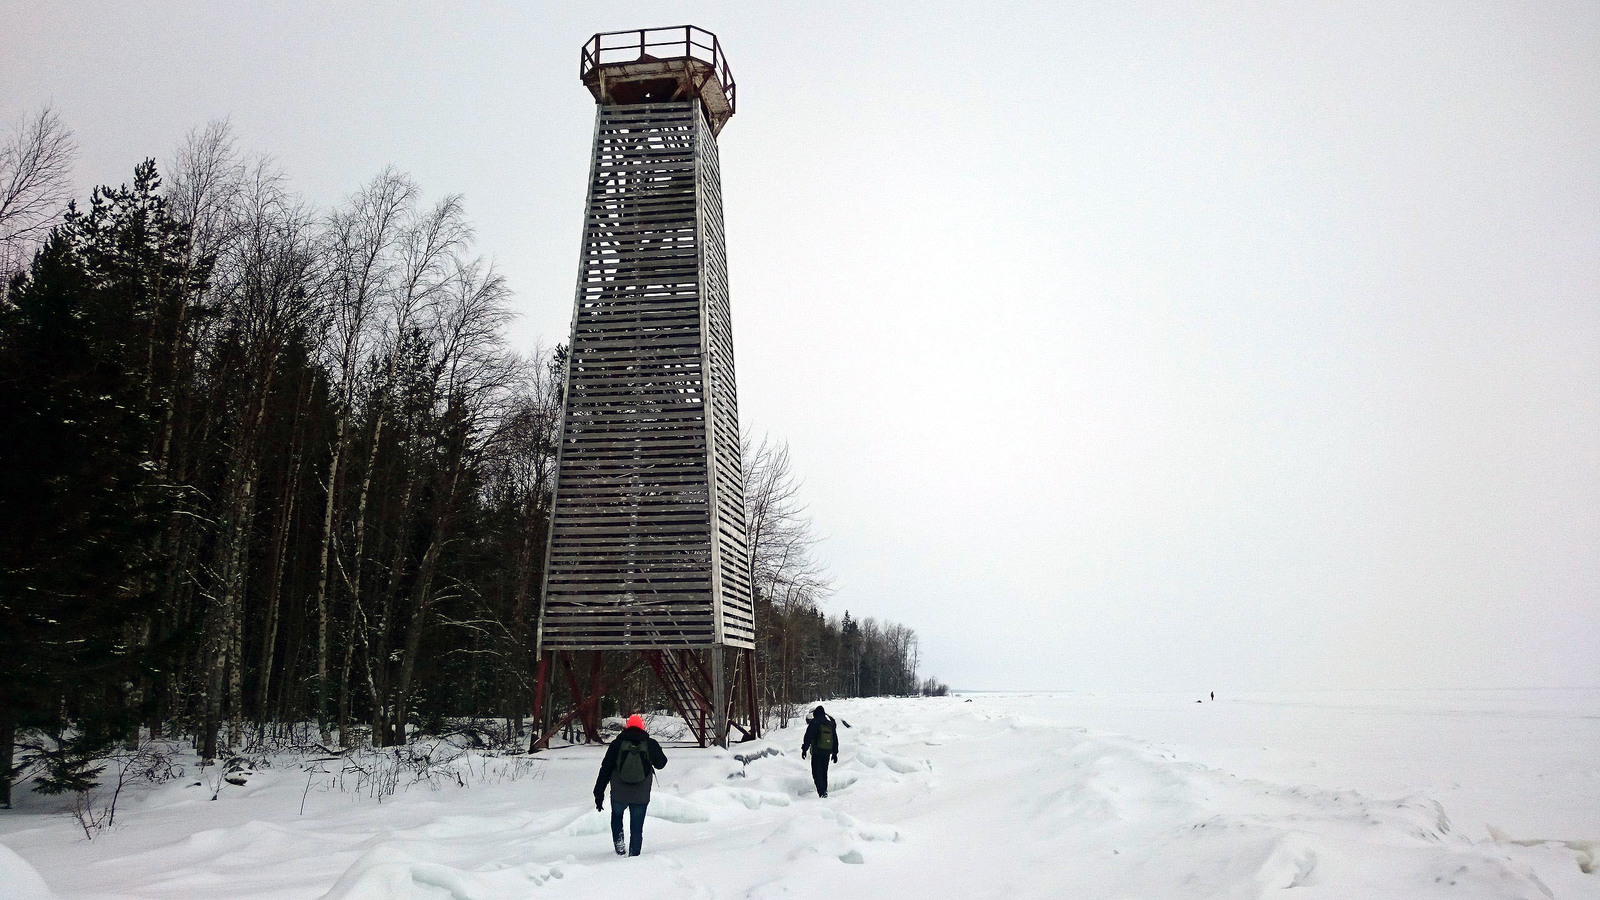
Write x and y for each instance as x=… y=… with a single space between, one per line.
x=647 y=545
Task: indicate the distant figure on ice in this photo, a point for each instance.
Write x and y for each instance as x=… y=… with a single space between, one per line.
x=629 y=767
x=822 y=735
x=1213 y=695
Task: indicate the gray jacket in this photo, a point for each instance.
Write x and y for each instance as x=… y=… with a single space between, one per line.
x=621 y=792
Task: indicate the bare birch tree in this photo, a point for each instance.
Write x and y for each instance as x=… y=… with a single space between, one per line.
x=35 y=173
x=265 y=283
x=424 y=254
x=786 y=577
x=359 y=244
x=472 y=369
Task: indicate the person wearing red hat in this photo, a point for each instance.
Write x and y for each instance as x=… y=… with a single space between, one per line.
x=629 y=766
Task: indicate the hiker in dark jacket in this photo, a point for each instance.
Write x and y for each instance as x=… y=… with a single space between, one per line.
x=822 y=735
x=629 y=767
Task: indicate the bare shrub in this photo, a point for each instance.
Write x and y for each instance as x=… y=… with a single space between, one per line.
x=378 y=773
x=150 y=763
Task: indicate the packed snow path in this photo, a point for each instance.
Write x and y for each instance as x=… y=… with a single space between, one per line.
x=996 y=797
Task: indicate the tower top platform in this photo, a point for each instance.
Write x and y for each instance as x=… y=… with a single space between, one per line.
x=656 y=65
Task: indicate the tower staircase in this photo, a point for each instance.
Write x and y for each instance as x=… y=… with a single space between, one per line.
x=687 y=698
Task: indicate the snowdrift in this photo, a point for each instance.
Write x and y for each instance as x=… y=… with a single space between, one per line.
x=1012 y=796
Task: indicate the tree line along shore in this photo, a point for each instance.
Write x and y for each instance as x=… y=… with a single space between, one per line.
x=268 y=464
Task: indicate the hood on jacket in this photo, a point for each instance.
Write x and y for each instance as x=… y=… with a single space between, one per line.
x=633 y=733
x=817 y=714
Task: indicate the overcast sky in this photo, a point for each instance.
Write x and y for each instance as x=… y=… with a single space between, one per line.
x=1190 y=346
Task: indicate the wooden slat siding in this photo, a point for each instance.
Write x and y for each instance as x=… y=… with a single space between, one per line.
x=646 y=515
x=731 y=558
x=703 y=230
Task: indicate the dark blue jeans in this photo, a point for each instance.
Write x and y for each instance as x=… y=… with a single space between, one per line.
x=635 y=825
x=819 y=771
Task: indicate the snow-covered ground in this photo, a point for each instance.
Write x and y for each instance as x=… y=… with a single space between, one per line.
x=1346 y=795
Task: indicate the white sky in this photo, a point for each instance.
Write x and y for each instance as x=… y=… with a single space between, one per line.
x=1178 y=346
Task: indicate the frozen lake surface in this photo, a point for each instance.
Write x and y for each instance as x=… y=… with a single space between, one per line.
x=1462 y=794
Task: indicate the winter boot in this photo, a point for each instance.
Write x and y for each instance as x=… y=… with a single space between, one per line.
x=621 y=843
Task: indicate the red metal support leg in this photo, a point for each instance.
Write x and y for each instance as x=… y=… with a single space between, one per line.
x=591 y=724
x=751 y=700
x=538 y=739
x=583 y=706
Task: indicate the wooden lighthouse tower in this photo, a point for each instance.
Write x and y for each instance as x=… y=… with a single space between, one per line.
x=647 y=551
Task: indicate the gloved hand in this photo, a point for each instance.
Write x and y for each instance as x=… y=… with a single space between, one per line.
x=599 y=805
x=802 y=754
x=836 y=757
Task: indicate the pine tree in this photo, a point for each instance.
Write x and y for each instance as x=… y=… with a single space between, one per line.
x=84 y=386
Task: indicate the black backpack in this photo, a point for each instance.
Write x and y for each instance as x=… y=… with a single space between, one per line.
x=633 y=762
x=825 y=736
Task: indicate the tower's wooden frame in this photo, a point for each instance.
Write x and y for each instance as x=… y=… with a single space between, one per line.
x=647 y=544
